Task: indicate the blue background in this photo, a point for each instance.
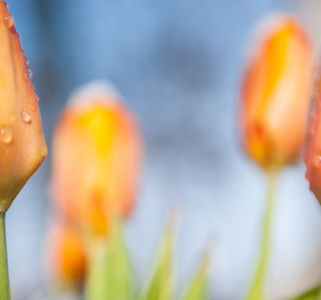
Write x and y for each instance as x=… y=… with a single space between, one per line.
x=178 y=64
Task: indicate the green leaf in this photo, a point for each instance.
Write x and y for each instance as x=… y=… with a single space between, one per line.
x=311 y=295
x=159 y=285
x=109 y=276
x=198 y=287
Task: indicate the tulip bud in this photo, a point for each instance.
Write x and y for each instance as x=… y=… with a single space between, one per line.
x=312 y=150
x=95 y=158
x=22 y=144
x=276 y=91
x=65 y=255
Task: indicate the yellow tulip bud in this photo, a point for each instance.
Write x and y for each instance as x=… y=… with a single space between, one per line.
x=95 y=158
x=276 y=91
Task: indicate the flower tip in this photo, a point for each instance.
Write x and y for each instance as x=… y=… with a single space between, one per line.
x=98 y=90
x=276 y=21
x=6 y=17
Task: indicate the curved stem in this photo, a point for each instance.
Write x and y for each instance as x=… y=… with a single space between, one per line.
x=257 y=288
x=4 y=276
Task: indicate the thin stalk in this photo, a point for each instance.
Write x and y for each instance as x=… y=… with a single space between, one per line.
x=4 y=276
x=95 y=288
x=257 y=288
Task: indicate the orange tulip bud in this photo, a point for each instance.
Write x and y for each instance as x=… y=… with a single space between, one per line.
x=312 y=150
x=65 y=256
x=22 y=144
x=276 y=92
x=96 y=158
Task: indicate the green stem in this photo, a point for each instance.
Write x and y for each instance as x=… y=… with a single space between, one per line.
x=4 y=276
x=257 y=288
x=95 y=287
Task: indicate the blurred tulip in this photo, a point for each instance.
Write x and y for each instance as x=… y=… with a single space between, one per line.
x=96 y=158
x=65 y=255
x=276 y=91
x=312 y=151
x=22 y=144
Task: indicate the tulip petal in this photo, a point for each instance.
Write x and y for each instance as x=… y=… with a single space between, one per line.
x=22 y=144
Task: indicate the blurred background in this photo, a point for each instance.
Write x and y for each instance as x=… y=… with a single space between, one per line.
x=178 y=64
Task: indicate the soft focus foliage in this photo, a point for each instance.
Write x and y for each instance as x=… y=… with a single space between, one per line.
x=22 y=144
x=160 y=285
x=199 y=285
x=312 y=295
x=110 y=273
x=276 y=91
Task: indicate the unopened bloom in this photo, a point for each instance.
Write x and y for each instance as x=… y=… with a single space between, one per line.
x=65 y=255
x=22 y=144
x=95 y=158
x=312 y=150
x=276 y=91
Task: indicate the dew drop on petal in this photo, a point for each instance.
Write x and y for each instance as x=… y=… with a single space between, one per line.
x=317 y=161
x=25 y=116
x=37 y=98
x=30 y=72
x=12 y=118
x=6 y=135
x=32 y=108
x=8 y=20
x=25 y=59
x=43 y=151
x=5 y=149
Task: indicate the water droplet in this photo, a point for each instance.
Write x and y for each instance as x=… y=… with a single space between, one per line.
x=12 y=117
x=30 y=72
x=43 y=151
x=25 y=59
x=37 y=98
x=317 y=161
x=8 y=21
x=31 y=107
x=5 y=149
x=6 y=135
x=25 y=117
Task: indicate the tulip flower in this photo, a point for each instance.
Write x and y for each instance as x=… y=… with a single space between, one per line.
x=275 y=100
x=95 y=158
x=65 y=255
x=312 y=151
x=276 y=92
x=22 y=144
